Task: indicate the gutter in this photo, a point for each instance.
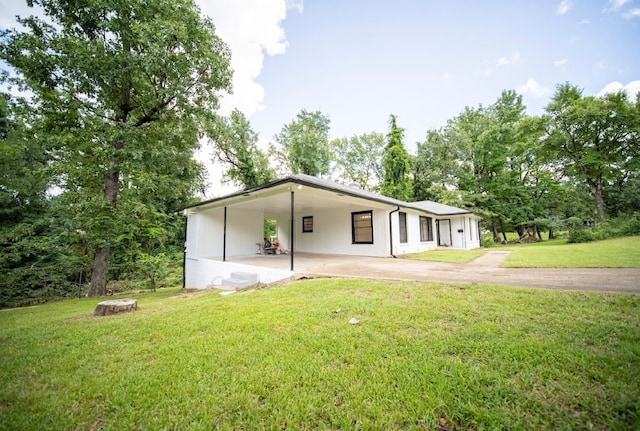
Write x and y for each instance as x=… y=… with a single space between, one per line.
x=184 y=254
x=391 y=233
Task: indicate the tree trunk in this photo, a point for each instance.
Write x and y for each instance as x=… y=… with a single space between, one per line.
x=553 y=214
x=108 y=308
x=537 y=231
x=504 y=234
x=98 y=285
x=599 y=196
x=496 y=235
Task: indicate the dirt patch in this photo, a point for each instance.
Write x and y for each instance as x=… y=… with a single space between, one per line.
x=192 y=293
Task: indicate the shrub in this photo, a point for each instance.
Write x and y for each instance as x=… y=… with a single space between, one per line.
x=632 y=225
x=579 y=235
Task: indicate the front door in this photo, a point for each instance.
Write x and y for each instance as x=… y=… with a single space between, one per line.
x=443 y=230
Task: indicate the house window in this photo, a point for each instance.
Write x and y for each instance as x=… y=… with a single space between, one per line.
x=426 y=232
x=362 y=227
x=307 y=224
x=403 y=227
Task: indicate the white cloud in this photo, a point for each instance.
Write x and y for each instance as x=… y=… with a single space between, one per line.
x=487 y=72
x=295 y=4
x=632 y=88
x=513 y=58
x=633 y=13
x=559 y=63
x=447 y=76
x=534 y=88
x=563 y=7
x=615 y=5
x=250 y=28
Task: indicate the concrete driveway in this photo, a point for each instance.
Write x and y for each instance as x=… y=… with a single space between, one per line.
x=486 y=270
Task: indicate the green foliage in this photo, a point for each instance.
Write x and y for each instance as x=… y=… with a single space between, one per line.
x=235 y=144
x=595 y=139
x=269 y=229
x=622 y=196
x=304 y=144
x=396 y=181
x=580 y=234
x=120 y=91
x=359 y=160
x=612 y=228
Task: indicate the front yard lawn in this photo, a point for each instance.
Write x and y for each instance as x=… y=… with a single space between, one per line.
x=423 y=355
x=611 y=253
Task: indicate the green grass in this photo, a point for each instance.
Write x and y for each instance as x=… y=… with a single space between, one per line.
x=612 y=253
x=450 y=256
x=478 y=357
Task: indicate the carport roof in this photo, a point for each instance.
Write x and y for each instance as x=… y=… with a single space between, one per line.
x=431 y=207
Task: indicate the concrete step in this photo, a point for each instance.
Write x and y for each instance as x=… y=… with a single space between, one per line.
x=240 y=280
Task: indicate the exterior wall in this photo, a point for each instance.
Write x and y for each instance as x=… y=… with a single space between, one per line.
x=332 y=233
x=464 y=234
x=205 y=233
x=474 y=232
x=244 y=230
x=413 y=244
x=201 y=273
x=283 y=226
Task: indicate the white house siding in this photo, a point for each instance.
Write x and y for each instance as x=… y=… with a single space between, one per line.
x=283 y=226
x=413 y=244
x=244 y=230
x=463 y=236
x=201 y=273
x=205 y=233
x=332 y=233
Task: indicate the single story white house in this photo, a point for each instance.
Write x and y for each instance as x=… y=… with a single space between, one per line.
x=314 y=215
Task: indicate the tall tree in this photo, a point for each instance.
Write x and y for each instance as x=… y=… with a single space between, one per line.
x=396 y=164
x=304 y=144
x=121 y=87
x=235 y=144
x=436 y=169
x=359 y=159
x=597 y=139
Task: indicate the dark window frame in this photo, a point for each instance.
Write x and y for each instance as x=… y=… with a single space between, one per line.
x=353 y=226
x=305 y=225
x=402 y=227
x=426 y=236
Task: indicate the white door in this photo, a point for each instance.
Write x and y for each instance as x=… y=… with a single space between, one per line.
x=444 y=232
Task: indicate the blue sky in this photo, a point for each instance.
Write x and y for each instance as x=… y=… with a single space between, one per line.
x=358 y=61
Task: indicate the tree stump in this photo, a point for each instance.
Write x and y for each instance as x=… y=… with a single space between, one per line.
x=107 y=308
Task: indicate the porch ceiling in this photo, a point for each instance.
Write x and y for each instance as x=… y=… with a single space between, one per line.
x=277 y=200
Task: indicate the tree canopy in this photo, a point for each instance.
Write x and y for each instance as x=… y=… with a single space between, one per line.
x=304 y=144
x=396 y=164
x=235 y=145
x=594 y=139
x=358 y=160
x=120 y=90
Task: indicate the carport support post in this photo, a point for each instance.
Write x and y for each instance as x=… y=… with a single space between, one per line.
x=292 y=230
x=224 y=237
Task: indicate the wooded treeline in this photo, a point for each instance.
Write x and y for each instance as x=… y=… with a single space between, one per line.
x=107 y=102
